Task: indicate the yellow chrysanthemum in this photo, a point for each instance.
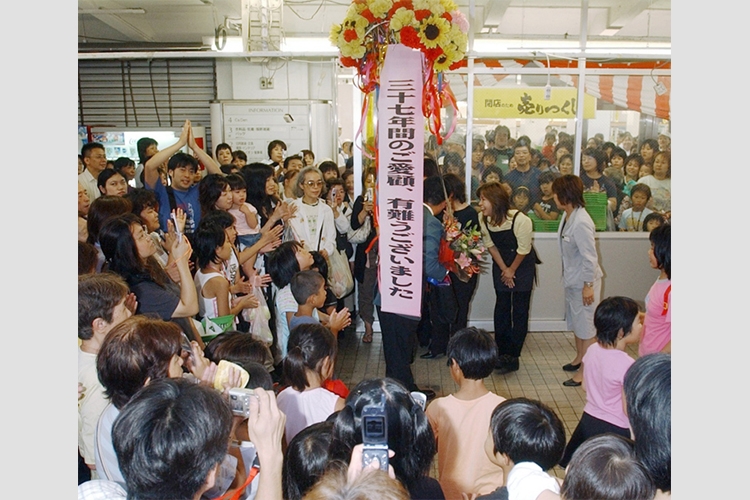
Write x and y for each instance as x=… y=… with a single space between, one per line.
x=353 y=49
x=433 y=6
x=448 y=5
x=402 y=17
x=380 y=8
x=334 y=34
x=434 y=31
x=459 y=38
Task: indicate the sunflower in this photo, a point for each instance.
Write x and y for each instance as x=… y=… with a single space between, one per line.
x=434 y=31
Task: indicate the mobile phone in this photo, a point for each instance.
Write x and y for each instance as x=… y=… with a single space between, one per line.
x=239 y=401
x=369 y=194
x=176 y=226
x=187 y=349
x=420 y=398
x=375 y=435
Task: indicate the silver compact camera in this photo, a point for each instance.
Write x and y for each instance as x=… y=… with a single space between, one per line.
x=239 y=401
x=375 y=434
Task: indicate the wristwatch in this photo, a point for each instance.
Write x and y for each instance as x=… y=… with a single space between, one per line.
x=588 y=284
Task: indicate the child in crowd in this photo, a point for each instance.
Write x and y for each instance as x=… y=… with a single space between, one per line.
x=213 y=250
x=283 y=263
x=320 y=264
x=247 y=220
x=489 y=159
x=309 y=362
x=617 y=323
x=522 y=199
x=605 y=468
x=526 y=438
x=633 y=165
x=657 y=322
x=308 y=157
x=652 y=221
x=631 y=219
x=239 y=158
x=104 y=301
x=492 y=173
x=472 y=354
x=309 y=290
x=546 y=208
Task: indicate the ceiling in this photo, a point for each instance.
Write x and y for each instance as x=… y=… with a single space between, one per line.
x=166 y=25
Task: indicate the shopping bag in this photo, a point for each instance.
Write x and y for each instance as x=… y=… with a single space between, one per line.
x=360 y=234
x=339 y=274
x=258 y=318
x=215 y=326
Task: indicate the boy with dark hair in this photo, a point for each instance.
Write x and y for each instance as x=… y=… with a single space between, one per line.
x=632 y=219
x=526 y=438
x=309 y=290
x=181 y=167
x=463 y=467
x=546 y=208
x=102 y=304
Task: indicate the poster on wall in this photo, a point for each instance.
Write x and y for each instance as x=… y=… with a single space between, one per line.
x=249 y=127
x=530 y=103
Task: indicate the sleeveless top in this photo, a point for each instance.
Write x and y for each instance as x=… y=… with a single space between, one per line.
x=207 y=308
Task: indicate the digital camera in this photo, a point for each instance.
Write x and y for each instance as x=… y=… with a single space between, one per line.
x=239 y=401
x=375 y=435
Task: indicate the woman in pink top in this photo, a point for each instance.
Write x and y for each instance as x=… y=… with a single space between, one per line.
x=617 y=323
x=657 y=322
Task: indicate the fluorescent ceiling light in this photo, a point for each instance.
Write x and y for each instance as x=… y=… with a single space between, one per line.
x=233 y=44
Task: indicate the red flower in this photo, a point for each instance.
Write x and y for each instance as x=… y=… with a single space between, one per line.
x=447 y=16
x=432 y=54
x=349 y=62
x=368 y=15
x=397 y=5
x=422 y=14
x=410 y=38
x=350 y=35
x=457 y=64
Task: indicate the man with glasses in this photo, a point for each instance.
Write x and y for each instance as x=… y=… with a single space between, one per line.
x=95 y=161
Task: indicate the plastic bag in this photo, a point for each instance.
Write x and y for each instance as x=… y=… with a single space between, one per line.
x=339 y=275
x=258 y=318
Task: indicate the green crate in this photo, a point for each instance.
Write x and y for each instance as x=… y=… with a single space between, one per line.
x=544 y=226
x=596 y=206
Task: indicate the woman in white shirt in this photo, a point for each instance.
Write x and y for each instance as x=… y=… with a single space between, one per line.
x=313 y=223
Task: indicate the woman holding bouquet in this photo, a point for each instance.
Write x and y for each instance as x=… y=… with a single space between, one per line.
x=465 y=283
x=507 y=234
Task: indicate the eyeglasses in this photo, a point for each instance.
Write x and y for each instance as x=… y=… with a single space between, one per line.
x=314 y=183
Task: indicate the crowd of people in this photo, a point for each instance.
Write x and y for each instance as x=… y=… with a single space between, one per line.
x=212 y=291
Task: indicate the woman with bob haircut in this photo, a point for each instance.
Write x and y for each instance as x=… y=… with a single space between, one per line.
x=313 y=224
x=410 y=436
x=582 y=276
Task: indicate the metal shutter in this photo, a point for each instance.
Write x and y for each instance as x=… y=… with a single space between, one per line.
x=146 y=93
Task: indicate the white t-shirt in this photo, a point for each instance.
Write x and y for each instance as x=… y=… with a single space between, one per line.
x=526 y=480
x=303 y=409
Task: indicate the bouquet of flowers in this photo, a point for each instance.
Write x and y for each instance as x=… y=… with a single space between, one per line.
x=435 y=27
x=462 y=251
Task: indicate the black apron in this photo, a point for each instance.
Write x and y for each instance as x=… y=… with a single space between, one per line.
x=507 y=244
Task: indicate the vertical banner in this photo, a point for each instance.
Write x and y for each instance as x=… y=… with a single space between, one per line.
x=400 y=177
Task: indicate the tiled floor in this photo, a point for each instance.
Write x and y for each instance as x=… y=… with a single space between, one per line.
x=540 y=375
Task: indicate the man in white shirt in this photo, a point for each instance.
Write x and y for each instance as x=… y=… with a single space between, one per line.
x=95 y=160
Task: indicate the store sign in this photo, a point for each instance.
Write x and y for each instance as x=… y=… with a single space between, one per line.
x=492 y=102
x=400 y=176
